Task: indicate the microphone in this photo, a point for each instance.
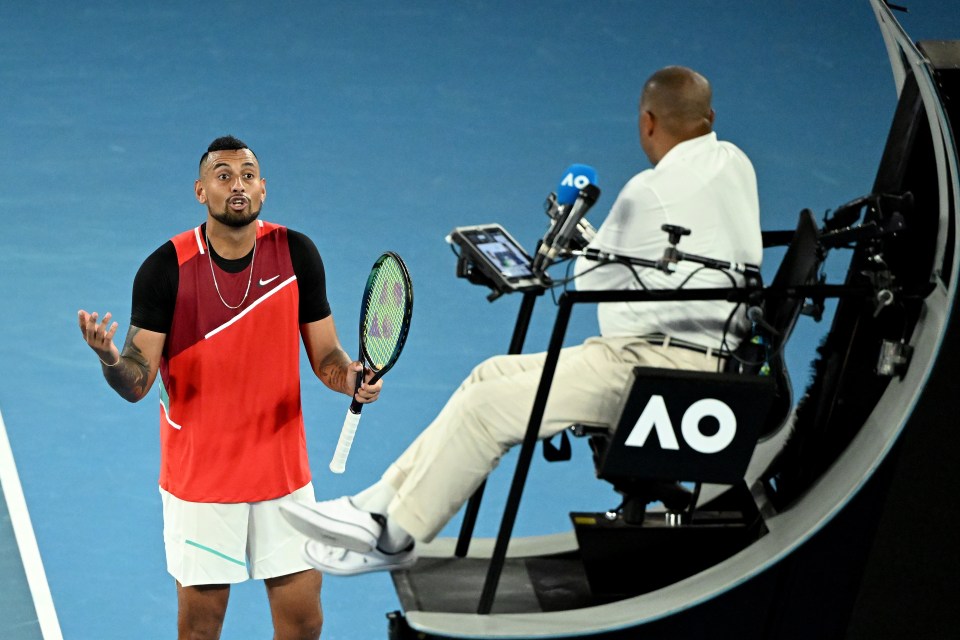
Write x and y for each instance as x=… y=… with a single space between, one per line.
x=575 y=178
x=558 y=207
x=585 y=234
x=565 y=226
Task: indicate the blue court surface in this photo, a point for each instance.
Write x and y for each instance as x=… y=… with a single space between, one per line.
x=379 y=125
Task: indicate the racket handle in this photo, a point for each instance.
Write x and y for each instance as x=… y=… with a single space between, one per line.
x=356 y=407
x=339 y=462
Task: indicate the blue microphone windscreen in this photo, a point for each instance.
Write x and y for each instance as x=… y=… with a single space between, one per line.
x=576 y=177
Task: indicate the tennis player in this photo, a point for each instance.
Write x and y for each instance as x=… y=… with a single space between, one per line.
x=219 y=311
x=698 y=182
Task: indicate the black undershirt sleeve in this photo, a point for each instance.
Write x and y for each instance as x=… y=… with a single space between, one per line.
x=156 y=282
x=155 y=290
x=311 y=277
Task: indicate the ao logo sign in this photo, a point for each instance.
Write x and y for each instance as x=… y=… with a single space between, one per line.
x=577 y=181
x=655 y=418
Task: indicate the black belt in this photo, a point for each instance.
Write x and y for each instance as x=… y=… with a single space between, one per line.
x=667 y=341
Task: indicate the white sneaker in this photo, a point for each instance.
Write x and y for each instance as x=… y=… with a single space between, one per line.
x=334 y=522
x=344 y=562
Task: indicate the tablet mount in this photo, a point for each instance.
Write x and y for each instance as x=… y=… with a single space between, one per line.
x=490 y=257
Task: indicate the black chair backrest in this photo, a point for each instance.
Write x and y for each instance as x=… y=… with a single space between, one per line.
x=799 y=267
x=781 y=308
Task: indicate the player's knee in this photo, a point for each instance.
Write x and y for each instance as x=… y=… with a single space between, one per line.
x=200 y=632
x=303 y=628
x=313 y=633
x=200 y=620
x=312 y=628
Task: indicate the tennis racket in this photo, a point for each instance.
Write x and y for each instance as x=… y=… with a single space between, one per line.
x=384 y=321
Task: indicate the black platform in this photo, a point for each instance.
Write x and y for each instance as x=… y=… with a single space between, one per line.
x=615 y=560
x=527 y=585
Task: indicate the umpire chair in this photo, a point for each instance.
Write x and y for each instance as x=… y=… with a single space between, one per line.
x=679 y=429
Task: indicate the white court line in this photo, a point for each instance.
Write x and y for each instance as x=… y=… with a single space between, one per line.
x=26 y=541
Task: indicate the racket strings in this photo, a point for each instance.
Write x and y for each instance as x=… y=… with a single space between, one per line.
x=386 y=309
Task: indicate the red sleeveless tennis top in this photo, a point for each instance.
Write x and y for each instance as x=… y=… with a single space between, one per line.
x=231 y=425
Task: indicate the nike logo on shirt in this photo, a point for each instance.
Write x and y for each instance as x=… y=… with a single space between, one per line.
x=264 y=283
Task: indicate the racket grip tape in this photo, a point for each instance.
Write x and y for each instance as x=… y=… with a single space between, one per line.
x=349 y=429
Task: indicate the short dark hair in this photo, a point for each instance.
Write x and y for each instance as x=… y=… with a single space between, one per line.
x=225 y=143
x=681 y=98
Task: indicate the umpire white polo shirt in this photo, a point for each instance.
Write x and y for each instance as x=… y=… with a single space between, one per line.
x=702 y=184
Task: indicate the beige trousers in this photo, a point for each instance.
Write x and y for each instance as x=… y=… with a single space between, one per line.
x=490 y=411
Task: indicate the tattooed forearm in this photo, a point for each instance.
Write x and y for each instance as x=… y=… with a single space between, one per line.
x=333 y=371
x=130 y=375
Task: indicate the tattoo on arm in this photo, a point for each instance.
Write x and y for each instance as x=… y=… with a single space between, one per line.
x=130 y=376
x=333 y=371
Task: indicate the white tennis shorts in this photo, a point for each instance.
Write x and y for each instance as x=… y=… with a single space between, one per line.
x=210 y=543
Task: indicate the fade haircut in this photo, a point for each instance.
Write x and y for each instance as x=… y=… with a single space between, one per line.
x=225 y=143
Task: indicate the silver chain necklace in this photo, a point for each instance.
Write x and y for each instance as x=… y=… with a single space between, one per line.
x=213 y=273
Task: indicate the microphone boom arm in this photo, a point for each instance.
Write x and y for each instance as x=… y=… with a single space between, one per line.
x=665 y=264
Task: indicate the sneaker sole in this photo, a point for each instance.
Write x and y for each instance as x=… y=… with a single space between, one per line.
x=334 y=570
x=336 y=533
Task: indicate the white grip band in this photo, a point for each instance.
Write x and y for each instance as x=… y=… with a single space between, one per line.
x=339 y=462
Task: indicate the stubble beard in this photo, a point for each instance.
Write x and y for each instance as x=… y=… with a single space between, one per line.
x=235 y=219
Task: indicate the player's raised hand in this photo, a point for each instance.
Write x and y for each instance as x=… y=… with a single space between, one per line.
x=368 y=391
x=99 y=336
